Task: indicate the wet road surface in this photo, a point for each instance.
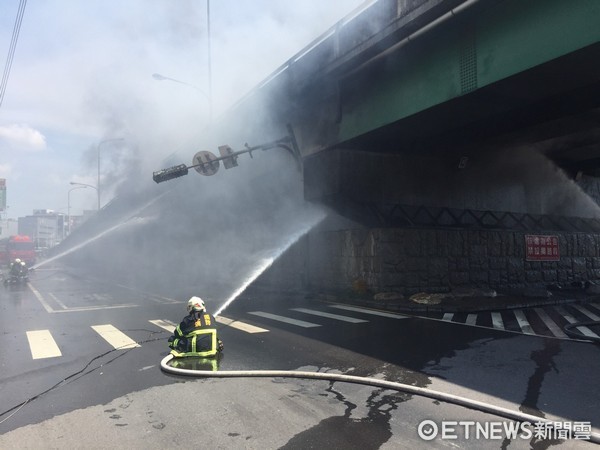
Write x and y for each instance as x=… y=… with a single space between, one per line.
x=82 y=379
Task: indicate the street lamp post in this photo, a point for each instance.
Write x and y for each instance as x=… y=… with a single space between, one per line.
x=69 y=204
x=159 y=77
x=210 y=103
x=209 y=96
x=98 y=150
x=83 y=184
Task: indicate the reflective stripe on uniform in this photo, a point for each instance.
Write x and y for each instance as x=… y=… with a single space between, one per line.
x=213 y=345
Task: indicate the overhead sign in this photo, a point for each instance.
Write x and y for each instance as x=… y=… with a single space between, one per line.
x=541 y=248
x=205 y=164
x=2 y=194
x=226 y=151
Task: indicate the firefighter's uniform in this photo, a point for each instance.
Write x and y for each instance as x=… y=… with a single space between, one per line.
x=196 y=335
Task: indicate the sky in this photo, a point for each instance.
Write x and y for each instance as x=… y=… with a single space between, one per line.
x=81 y=87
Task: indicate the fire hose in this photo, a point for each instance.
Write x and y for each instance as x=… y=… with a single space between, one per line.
x=392 y=385
x=568 y=329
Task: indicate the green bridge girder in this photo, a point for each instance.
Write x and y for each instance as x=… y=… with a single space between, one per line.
x=472 y=50
x=469 y=52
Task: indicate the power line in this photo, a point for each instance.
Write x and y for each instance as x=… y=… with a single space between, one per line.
x=11 y=50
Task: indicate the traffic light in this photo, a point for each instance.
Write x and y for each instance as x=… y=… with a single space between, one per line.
x=170 y=173
x=206 y=163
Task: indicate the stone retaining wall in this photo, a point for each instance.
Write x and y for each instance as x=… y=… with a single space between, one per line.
x=409 y=261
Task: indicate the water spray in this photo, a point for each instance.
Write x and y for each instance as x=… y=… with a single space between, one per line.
x=267 y=262
x=127 y=221
x=263 y=266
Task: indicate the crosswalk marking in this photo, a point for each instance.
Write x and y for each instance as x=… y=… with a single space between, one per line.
x=369 y=311
x=546 y=326
x=164 y=324
x=170 y=326
x=114 y=337
x=522 y=320
x=42 y=344
x=240 y=325
x=299 y=323
x=497 y=321
x=554 y=329
x=586 y=312
x=329 y=315
x=583 y=330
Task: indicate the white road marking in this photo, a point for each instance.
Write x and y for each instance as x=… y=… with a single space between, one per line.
x=522 y=320
x=497 y=321
x=448 y=317
x=42 y=344
x=165 y=324
x=153 y=297
x=65 y=309
x=329 y=315
x=100 y=297
x=299 y=323
x=369 y=311
x=41 y=299
x=583 y=330
x=93 y=308
x=471 y=319
x=552 y=326
x=587 y=312
x=61 y=304
x=240 y=325
x=114 y=337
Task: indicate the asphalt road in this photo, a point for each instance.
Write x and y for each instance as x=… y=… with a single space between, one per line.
x=64 y=385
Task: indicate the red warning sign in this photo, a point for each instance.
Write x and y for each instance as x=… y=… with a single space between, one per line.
x=541 y=248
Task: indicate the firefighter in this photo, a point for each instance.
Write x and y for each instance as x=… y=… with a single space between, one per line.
x=16 y=267
x=196 y=335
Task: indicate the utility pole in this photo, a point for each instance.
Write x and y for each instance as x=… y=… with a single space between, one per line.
x=210 y=95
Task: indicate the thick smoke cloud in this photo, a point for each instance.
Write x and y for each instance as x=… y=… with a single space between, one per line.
x=199 y=235
x=195 y=235
x=83 y=73
x=513 y=178
x=523 y=179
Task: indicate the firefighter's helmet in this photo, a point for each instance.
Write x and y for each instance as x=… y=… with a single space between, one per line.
x=195 y=304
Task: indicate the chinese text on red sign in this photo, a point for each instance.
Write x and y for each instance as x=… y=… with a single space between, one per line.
x=541 y=248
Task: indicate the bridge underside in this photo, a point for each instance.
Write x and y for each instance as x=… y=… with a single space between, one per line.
x=554 y=107
x=497 y=147
x=449 y=149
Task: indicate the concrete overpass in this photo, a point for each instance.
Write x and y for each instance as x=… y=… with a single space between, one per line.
x=448 y=130
x=457 y=140
x=421 y=88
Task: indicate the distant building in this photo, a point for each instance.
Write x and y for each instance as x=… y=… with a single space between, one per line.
x=45 y=227
x=8 y=227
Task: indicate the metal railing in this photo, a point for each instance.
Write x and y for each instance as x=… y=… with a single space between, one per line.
x=442 y=217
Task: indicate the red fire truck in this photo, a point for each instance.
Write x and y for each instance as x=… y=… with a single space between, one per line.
x=18 y=246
